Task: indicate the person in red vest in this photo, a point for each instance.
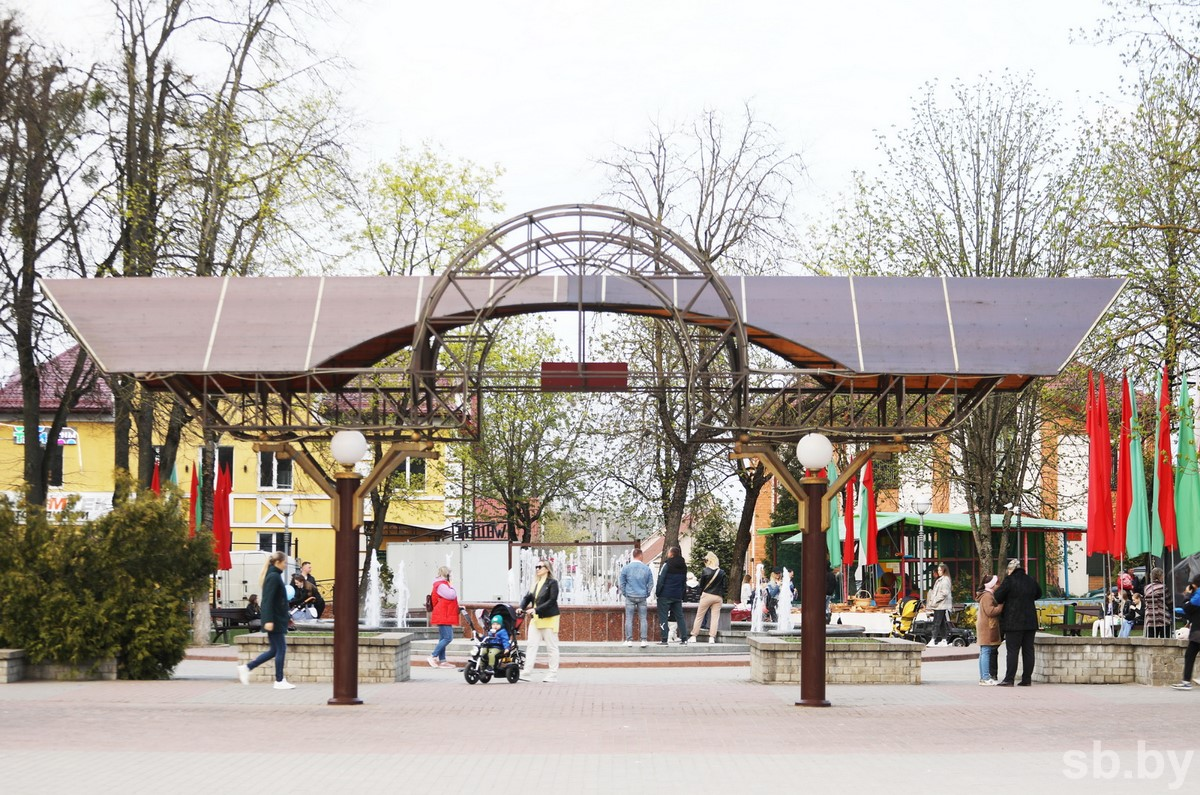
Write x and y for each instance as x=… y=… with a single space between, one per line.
x=444 y=616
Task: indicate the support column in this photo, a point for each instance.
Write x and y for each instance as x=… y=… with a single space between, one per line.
x=812 y=589
x=345 y=594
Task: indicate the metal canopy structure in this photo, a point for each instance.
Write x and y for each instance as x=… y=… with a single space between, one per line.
x=397 y=357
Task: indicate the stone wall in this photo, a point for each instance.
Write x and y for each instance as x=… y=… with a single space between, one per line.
x=859 y=661
x=100 y=670
x=382 y=657
x=12 y=665
x=606 y=623
x=1097 y=661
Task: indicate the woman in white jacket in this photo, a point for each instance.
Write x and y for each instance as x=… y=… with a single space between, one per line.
x=940 y=602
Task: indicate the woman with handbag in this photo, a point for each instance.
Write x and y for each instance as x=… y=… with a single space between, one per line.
x=274 y=620
x=542 y=602
x=443 y=601
x=712 y=595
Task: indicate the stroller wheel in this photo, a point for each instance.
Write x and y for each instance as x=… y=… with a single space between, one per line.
x=485 y=676
x=471 y=674
x=513 y=674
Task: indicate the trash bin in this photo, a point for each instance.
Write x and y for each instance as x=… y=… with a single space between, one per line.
x=1069 y=613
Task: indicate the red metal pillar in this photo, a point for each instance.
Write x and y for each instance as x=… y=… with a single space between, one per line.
x=345 y=594
x=812 y=596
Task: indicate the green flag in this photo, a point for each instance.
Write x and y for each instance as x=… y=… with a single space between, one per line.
x=1187 y=479
x=832 y=537
x=1137 y=533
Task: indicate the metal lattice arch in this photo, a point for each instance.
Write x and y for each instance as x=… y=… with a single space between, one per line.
x=866 y=359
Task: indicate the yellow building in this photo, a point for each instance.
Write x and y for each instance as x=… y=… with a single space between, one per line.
x=82 y=467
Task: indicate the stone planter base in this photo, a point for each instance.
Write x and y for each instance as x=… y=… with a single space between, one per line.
x=12 y=665
x=1100 y=661
x=381 y=658
x=104 y=670
x=859 y=662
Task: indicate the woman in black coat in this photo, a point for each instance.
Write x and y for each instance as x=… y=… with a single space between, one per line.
x=1019 y=594
x=275 y=615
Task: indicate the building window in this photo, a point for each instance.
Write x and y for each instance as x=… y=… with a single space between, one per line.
x=225 y=459
x=275 y=542
x=274 y=473
x=415 y=474
x=54 y=456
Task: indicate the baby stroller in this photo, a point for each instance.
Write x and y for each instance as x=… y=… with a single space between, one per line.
x=509 y=662
x=905 y=615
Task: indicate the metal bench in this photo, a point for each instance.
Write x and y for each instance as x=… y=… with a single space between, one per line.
x=226 y=618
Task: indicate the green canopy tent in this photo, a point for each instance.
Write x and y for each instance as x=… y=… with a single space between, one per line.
x=953 y=548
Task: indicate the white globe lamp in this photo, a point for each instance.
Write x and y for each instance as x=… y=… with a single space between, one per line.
x=814 y=451
x=348 y=447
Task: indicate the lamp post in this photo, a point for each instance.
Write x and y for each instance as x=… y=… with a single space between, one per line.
x=814 y=452
x=348 y=448
x=921 y=505
x=287 y=507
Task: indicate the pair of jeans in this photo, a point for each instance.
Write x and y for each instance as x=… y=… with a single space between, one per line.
x=535 y=637
x=989 y=662
x=637 y=603
x=671 y=610
x=277 y=649
x=1126 y=629
x=445 y=635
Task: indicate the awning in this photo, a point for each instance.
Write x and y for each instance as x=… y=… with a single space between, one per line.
x=960 y=522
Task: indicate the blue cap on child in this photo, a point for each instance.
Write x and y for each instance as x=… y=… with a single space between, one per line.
x=497 y=620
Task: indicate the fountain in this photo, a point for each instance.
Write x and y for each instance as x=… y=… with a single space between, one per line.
x=373 y=602
x=756 y=604
x=400 y=595
x=784 y=611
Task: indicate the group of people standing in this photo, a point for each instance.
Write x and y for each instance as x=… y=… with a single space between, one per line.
x=636 y=580
x=1007 y=611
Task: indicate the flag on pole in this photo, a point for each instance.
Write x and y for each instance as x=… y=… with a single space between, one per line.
x=833 y=541
x=1098 y=477
x=1124 y=474
x=1162 y=518
x=848 y=519
x=222 y=534
x=1187 y=479
x=197 y=499
x=192 y=500
x=868 y=522
x=156 y=479
x=1137 y=531
x=1104 y=477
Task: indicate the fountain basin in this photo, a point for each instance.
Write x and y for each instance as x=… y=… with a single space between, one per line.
x=607 y=622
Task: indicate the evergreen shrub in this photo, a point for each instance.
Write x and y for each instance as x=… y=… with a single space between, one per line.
x=76 y=592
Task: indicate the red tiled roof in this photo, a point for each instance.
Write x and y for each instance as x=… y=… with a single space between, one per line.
x=54 y=373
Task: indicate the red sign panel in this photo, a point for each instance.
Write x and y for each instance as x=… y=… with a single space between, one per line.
x=585 y=376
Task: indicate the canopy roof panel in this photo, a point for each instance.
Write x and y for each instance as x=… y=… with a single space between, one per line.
x=928 y=329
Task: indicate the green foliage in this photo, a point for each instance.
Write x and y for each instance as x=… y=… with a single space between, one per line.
x=120 y=586
x=712 y=533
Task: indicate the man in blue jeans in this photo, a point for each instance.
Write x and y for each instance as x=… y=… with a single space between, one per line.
x=635 y=581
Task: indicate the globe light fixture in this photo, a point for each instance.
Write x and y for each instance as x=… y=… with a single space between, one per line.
x=286 y=507
x=814 y=451
x=348 y=447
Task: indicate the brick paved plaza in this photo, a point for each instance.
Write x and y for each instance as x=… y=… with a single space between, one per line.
x=599 y=730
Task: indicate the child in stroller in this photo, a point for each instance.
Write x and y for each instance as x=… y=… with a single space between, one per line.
x=496 y=652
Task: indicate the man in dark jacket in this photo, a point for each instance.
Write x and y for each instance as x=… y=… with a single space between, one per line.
x=672 y=578
x=1019 y=594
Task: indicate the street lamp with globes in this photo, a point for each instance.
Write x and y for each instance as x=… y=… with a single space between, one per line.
x=287 y=507
x=921 y=505
x=348 y=448
x=814 y=452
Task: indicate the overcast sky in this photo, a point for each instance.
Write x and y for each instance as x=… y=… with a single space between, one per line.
x=542 y=88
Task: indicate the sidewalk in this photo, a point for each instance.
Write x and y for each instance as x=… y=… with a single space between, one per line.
x=599 y=730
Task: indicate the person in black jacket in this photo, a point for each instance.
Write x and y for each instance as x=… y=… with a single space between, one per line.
x=712 y=594
x=1019 y=594
x=671 y=580
x=542 y=603
x=275 y=615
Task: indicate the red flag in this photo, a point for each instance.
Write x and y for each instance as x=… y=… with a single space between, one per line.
x=222 y=534
x=848 y=557
x=1166 y=472
x=1098 y=477
x=1104 y=471
x=872 y=518
x=155 y=483
x=1124 y=471
x=195 y=495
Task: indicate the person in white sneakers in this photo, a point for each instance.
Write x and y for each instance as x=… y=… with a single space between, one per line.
x=635 y=582
x=712 y=594
x=940 y=602
x=987 y=628
x=274 y=621
x=1191 y=611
